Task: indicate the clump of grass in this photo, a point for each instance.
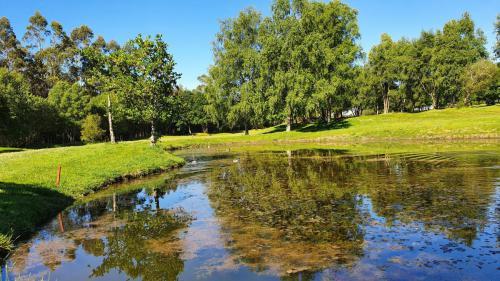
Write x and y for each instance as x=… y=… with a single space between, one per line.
x=6 y=243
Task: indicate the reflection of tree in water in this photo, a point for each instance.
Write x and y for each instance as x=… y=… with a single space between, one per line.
x=286 y=216
x=269 y=203
x=140 y=243
x=445 y=195
x=127 y=248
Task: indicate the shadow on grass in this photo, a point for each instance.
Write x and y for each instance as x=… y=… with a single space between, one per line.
x=314 y=127
x=7 y=150
x=23 y=208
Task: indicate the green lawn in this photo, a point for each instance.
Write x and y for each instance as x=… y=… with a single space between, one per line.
x=28 y=196
x=447 y=124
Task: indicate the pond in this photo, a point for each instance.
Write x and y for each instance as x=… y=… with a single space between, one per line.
x=291 y=215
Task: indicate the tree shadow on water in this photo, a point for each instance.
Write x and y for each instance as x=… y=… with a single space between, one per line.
x=25 y=207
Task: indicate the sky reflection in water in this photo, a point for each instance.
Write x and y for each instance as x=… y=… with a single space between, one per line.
x=301 y=215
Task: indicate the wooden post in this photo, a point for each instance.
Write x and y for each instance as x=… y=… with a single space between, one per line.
x=58 y=179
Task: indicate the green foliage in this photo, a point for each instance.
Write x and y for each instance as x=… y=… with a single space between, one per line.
x=91 y=129
x=71 y=100
x=300 y=64
x=189 y=110
x=6 y=244
x=480 y=82
x=146 y=69
x=24 y=119
x=293 y=65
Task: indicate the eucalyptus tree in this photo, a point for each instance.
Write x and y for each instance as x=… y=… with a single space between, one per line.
x=12 y=54
x=36 y=31
x=100 y=75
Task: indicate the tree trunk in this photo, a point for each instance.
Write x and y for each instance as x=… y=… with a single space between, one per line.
x=205 y=128
x=153 y=137
x=189 y=129
x=386 y=98
x=467 y=99
x=434 y=100
x=110 y=122
x=289 y=123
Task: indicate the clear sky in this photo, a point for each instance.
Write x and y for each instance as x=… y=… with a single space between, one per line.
x=189 y=26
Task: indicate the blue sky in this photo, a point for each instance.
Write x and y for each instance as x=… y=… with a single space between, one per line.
x=189 y=26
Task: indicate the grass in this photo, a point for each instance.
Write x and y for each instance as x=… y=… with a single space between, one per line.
x=447 y=124
x=29 y=197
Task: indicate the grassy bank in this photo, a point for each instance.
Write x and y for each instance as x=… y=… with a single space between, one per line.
x=28 y=196
x=447 y=124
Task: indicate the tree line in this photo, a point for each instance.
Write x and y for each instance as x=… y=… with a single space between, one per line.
x=62 y=88
x=303 y=63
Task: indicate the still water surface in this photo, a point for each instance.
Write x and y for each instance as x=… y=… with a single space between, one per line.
x=297 y=215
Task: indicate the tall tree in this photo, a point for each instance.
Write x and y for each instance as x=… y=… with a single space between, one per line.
x=236 y=53
x=456 y=46
x=82 y=36
x=12 y=54
x=382 y=66
x=330 y=34
x=288 y=82
x=36 y=31
x=149 y=70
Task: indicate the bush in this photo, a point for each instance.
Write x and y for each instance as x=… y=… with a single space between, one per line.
x=91 y=129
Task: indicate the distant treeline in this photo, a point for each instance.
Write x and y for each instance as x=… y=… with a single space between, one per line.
x=301 y=64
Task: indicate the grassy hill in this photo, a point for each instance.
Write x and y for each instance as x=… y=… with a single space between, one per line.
x=446 y=124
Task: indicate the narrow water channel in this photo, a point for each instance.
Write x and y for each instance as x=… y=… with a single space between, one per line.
x=296 y=215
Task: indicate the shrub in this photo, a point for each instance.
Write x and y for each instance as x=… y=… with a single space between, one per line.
x=91 y=129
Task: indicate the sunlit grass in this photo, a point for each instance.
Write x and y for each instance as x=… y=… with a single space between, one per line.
x=28 y=192
x=447 y=124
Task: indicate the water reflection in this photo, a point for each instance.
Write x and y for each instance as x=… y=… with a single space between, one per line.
x=296 y=215
x=307 y=211
x=123 y=232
